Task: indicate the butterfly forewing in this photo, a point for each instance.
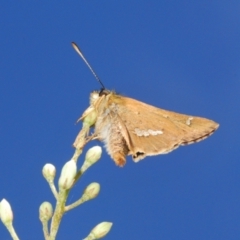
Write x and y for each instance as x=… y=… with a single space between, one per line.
x=153 y=131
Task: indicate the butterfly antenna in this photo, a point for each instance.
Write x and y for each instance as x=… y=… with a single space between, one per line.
x=77 y=49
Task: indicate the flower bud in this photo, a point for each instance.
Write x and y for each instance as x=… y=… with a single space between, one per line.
x=49 y=172
x=68 y=174
x=92 y=156
x=90 y=117
x=6 y=212
x=45 y=211
x=91 y=191
x=100 y=231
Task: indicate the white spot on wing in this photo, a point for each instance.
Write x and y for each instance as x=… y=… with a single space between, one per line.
x=188 y=121
x=147 y=133
x=154 y=133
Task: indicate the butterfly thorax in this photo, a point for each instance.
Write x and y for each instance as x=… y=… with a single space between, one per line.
x=108 y=126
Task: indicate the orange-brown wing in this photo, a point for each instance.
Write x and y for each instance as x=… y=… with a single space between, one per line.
x=153 y=131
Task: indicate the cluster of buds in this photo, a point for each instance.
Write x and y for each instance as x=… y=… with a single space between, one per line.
x=68 y=177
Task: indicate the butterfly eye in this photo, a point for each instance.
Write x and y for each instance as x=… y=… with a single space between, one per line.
x=103 y=92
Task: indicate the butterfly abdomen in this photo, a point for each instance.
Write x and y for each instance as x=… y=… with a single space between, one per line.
x=109 y=131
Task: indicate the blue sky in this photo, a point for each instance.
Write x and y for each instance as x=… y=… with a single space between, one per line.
x=182 y=56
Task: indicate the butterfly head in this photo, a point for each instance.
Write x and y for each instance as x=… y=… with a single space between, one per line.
x=96 y=95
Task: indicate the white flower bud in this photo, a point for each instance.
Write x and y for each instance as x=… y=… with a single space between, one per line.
x=100 y=231
x=49 y=172
x=45 y=211
x=6 y=212
x=92 y=156
x=91 y=191
x=68 y=174
x=90 y=117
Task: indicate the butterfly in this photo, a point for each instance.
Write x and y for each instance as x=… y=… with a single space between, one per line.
x=131 y=127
